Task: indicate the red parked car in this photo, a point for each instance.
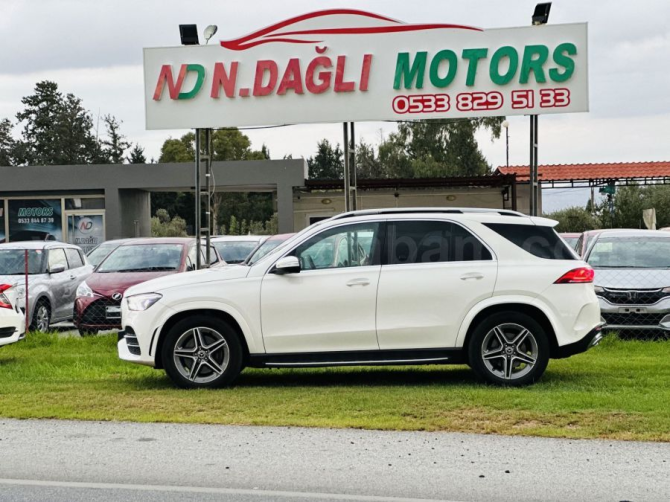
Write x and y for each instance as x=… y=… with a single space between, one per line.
x=98 y=303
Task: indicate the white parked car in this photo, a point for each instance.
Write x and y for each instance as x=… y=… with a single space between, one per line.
x=12 y=320
x=497 y=290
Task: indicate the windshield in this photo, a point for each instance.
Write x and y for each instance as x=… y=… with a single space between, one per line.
x=12 y=261
x=571 y=241
x=234 y=251
x=264 y=249
x=631 y=252
x=143 y=258
x=100 y=253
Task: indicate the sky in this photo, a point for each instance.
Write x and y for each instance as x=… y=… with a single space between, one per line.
x=93 y=49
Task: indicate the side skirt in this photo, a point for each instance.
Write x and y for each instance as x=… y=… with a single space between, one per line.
x=358 y=358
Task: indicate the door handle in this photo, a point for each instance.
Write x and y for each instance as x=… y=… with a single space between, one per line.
x=472 y=275
x=358 y=282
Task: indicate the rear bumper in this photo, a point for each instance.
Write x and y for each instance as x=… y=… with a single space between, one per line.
x=12 y=328
x=591 y=339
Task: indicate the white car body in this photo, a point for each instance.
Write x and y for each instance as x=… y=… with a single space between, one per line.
x=12 y=320
x=380 y=313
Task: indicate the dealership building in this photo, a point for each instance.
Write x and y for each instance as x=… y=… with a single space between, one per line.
x=86 y=204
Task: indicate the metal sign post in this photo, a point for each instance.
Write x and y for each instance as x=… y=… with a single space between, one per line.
x=347 y=174
x=203 y=149
x=353 y=198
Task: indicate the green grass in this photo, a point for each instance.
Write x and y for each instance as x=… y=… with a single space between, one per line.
x=618 y=390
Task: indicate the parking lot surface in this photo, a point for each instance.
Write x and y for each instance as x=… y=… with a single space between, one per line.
x=65 y=460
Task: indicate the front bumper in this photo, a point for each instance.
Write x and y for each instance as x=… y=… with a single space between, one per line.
x=91 y=313
x=636 y=317
x=591 y=339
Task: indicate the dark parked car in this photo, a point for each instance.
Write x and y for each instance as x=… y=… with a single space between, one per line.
x=98 y=303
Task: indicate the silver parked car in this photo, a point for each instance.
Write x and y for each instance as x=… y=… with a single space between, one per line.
x=632 y=279
x=55 y=270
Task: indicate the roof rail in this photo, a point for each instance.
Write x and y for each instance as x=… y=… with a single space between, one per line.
x=417 y=210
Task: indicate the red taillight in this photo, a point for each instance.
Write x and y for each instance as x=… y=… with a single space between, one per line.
x=4 y=301
x=579 y=275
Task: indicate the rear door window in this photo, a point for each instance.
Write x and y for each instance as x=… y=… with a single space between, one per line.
x=431 y=242
x=74 y=258
x=539 y=241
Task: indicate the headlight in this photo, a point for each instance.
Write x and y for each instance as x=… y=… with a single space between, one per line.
x=599 y=289
x=85 y=290
x=666 y=290
x=143 y=302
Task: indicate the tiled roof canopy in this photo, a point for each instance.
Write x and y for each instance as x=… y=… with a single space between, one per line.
x=588 y=172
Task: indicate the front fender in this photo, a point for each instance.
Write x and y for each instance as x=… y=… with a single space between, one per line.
x=253 y=337
x=531 y=301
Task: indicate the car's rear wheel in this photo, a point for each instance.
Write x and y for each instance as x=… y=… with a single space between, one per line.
x=509 y=348
x=202 y=351
x=41 y=317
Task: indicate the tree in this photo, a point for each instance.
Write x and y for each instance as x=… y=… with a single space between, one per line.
x=368 y=164
x=164 y=226
x=227 y=144
x=115 y=146
x=574 y=219
x=137 y=155
x=57 y=129
x=7 y=144
x=437 y=148
x=328 y=163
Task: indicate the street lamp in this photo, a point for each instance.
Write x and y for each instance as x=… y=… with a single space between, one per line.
x=540 y=17
x=209 y=32
x=505 y=124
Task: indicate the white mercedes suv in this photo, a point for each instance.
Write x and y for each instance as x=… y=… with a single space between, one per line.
x=497 y=290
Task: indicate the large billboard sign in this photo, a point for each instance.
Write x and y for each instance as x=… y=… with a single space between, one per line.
x=346 y=65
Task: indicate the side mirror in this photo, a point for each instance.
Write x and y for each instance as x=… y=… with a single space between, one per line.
x=287 y=265
x=57 y=269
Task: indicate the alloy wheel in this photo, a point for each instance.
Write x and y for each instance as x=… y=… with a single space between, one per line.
x=42 y=318
x=509 y=351
x=201 y=355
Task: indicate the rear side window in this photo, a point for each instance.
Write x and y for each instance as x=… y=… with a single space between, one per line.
x=542 y=242
x=74 y=258
x=432 y=242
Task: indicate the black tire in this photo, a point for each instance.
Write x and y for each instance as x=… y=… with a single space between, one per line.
x=212 y=327
x=495 y=370
x=41 y=316
x=83 y=332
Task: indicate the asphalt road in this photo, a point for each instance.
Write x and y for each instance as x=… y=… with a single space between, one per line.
x=93 y=461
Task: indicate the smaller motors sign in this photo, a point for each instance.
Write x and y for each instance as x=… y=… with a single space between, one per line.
x=347 y=65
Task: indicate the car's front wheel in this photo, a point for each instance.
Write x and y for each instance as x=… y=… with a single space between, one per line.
x=509 y=348
x=41 y=317
x=202 y=351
